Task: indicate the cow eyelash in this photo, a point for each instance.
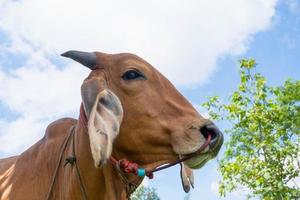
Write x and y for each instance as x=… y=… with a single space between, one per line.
x=133 y=75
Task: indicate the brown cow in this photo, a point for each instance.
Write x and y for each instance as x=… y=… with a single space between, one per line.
x=133 y=112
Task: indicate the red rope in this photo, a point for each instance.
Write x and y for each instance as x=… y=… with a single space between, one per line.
x=82 y=117
x=185 y=158
x=133 y=168
x=130 y=167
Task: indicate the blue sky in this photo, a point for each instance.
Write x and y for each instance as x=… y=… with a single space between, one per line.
x=277 y=52
x=195 y=44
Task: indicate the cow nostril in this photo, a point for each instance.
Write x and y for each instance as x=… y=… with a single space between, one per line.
x=216 y=137
x=210 y=130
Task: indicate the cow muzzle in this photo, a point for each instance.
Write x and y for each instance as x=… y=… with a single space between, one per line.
x=213 y=148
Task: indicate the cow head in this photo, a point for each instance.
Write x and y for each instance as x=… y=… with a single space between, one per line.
x=134 y=111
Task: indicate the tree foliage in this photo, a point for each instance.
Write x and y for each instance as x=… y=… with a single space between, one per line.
x=263 y=150
x=144 y=193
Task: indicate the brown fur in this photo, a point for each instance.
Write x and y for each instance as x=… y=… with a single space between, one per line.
x=159 y=124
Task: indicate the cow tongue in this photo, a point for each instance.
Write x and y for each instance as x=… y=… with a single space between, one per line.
x=187 y=177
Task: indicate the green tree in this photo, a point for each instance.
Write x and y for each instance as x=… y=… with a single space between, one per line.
x=144 y=193
x=262 y=152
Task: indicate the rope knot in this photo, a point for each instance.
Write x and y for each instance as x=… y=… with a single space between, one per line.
x=128 y=167
x=150 y=175
x=70 y=160
x=132 y=168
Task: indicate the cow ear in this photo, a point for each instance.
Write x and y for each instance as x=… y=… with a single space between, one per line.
x=104 y=112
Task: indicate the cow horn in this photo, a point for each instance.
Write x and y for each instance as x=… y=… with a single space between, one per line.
x=88 y=59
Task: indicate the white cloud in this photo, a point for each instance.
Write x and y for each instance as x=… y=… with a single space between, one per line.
x=37 y=93
x=20 y=134
x=182 y=39
x=214 y=187
x=32 y=90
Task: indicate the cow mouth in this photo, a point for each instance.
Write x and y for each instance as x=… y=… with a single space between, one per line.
x=200 y=158
x=198 y=161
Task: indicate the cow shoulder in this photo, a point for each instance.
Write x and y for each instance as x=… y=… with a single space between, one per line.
x=33 y=169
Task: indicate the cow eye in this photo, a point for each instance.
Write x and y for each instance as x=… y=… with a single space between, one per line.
x=132 y=75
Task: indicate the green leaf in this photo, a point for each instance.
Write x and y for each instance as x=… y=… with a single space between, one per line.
x=264 y=136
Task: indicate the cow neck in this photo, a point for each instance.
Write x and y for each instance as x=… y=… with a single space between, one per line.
x=109 y=173
x=129 y=172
